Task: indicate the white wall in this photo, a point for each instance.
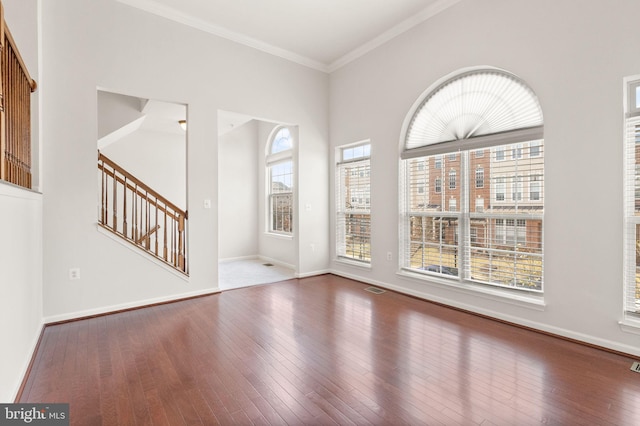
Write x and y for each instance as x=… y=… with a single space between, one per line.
x=115 y=111
x=21 y=234
x=238 y=192
x=574 y=55
x=106 y=44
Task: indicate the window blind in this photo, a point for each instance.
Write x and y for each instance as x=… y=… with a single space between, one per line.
x=474 y=232
x=476 y=143
x=472 y=104
x=632 y=216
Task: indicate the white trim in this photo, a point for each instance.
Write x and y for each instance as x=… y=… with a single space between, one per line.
x=177 y=15
x=191 y=21
x=8 y=189
x=352 y=262
x=472 y=144
x=281 y=236
x=513 y=297
x=111 y=309
x=630 y=325
x=235 y=259
x=432 y=10
x=313 y=273
x=25 y=367
x=562 y=332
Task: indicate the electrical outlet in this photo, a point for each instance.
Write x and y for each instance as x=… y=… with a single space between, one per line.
x=74 y=273
x=389 y=256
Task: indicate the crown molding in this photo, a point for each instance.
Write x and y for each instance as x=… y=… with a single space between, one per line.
x=183 y=18
x=178 y=16
x=402 y=27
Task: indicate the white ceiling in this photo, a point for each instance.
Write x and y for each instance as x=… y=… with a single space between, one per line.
x=322 y=34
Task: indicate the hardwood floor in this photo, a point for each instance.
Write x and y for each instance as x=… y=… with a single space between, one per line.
x=323 y=351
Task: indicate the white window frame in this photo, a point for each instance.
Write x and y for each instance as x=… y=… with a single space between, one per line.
x=353 y=246
x=272 y=160
x=631 y=301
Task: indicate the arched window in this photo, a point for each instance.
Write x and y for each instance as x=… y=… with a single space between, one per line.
x=280 y=177
x=476 y=125
x=282 y=141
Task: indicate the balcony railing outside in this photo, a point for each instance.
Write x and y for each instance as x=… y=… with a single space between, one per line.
x=15 y=112
x=133 y=211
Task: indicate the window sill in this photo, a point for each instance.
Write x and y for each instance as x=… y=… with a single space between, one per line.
x=279 y=236
x=630 y=325
x=514 y=297
x=346 y=261
x=12 y=190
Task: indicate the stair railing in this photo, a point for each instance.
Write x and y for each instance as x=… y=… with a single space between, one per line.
x=15 y=111
x=132 y=210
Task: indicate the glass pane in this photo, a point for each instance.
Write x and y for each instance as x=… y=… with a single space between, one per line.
x=357 y=236
x=282 y=141
x=282 y=177
x=505 y=237
x=434 y=244
x=282 y=213
x=434 y=183
x=507 y=252
x=356 y=186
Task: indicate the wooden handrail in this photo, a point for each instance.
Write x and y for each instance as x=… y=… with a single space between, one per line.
x=142 y=193
x=134 y=211
x=140 y=185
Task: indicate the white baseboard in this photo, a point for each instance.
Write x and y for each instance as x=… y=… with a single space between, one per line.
x=233 y=259
x=132 y=305
x=25 y=367
x=558 y=331
x=314 y=273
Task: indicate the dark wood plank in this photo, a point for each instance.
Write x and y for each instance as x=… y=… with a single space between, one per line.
x=321 y=350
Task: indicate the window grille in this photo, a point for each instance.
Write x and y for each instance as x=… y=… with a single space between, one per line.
x=353 y=202
x=632 y=203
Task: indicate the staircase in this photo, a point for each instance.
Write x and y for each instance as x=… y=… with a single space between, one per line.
x=133 y=211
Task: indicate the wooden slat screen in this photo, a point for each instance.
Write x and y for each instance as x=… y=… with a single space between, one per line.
x=15 y=112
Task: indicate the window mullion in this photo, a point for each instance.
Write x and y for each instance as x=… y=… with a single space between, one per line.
x=464 y=227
